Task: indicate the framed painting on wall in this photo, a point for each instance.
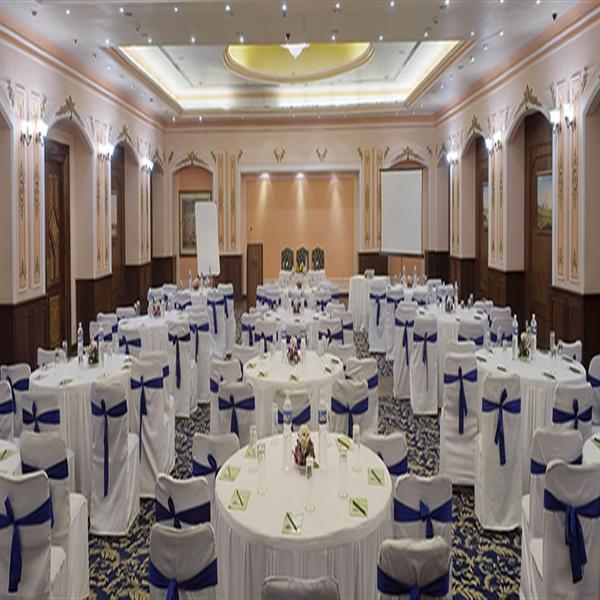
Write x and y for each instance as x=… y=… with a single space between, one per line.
x=187 y=220
x=544 y=202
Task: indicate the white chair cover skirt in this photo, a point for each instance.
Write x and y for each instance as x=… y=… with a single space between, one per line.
x=358 y=298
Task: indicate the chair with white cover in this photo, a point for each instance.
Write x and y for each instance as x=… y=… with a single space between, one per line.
x=414 y=568
x=498 y=487
x=424 y=367
x=94 y=331
x=199 y=330
x=349 y=405
x=130 y=341
x=322 y=298
x=220 y=370
x=347 y=325
x=471 y=331
x=248 y=322
x=109 y=320
x=244 y=353
x=217 y=322
x=467 y=347
x=445 y=291
x=260 y=311
x=421 y=297
x=47 y=452
x=501 y=330
x=573 y=350
x=7 y=412
x=301 y=414
x=333 y=306
x=572 y=408
x=182 y=503
x=394 y=295
x=260 y=296
x=277 y=587
x=266 y=334
x=155 y=294
x=228 y=295
x=41 y=413
x=458 y=421
x=47 y=357
x=501 y=312
x=125 y=312
x=298 y=331
x=343 y=351
x=366 y=368
x=434 y=283
x=564 y=562
x=30 y=566
x=182 y=366
x=547 y=445
x=392 y=449
x=377 y=304
x=330 y=331
x=593 y=378
x=115 y=492
x=182 y=299
x=237 y=409
x=17 y=376
x=423 y=507
x=183 y=562
x=149 y=420
x=272 y=297
x=404 y=323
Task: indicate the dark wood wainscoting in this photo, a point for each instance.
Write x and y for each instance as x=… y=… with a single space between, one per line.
x=25 y=328
x=506 y=288
x=437 y=264
x=462 y=270
x=231 y=272
x=576 y=317
x=91 y=297
x=254 y=271
x=163 y=270
x=373 y=260
x=137 y=282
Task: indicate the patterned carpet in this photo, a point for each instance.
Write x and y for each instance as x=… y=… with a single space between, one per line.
x=485 y=564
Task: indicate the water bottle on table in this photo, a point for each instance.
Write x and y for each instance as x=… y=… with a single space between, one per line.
x=80 y=344
x=533 y=336
x=287 y=432
x=515 y=338
x=323 y=435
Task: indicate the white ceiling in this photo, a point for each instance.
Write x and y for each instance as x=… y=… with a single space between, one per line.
x=84 y=33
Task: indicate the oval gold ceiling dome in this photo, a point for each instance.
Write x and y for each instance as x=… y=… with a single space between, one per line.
x=296 y=63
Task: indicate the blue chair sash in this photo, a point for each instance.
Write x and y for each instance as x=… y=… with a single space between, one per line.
x=213 y=304
x=359 y=408
x=406 y=514
x=337 y=335
x=49 y=417
x=373 y=381
x=321 y=304
x=513 y=407
x=261 y=337
x=394 y=301
x=196 y=329
x=302 y=417
x=399 y=468
x=175 y=339
x=38 y=516
x=378 y=298
x=200 y=470
x=249 y=329
x=477 y=340
x=21 y=385
x=426 y=339
x=538 y=468
x=407 y=325
x=438 y=588
x=116 y=411
x=463 y=409
x=573 y=532
x=8 y=407
x=231 y=404
x=228 y=298
x=106 y=337
x=503 y=336
x=135 y=343
x=562 y=416
x=204 y=579
x=593 y=381
x=58 y=471
x=154 y=384
x=190 y=516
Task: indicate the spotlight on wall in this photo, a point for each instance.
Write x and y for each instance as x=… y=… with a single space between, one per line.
x=27 y=128
x=265 y=176
x=555 y=119
x=452 y=157
x=147 y=165
x=105 y=151
x=41 y=131
x=569 y=112
x=300 y=176
x=489 y=144
x=33 y=130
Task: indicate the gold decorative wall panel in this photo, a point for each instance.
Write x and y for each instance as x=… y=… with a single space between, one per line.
x=233 y=202
x=574 y=274
x=500 y=216
x=560 y=204
x=379 y=162
x=37 y=218
x=221 y=199
x=22 y=195
x=367 y=206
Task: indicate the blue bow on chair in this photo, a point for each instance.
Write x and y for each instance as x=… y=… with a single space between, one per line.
x=394 y=301
x=261 y=337
x=249 y=329
x=135 y=343
x=57 y=471
x=106 y=337
x=38 y=516
x=175 y=339
x=349 y=326
x=426 y=339
x=463 y=409
x=302 y=417
x=538 y=468
x=49 y=417
x=478 y=341
x=513 y=407
x=562 y=416
x=593 y=381
x=206 y=578
x=406 y=514
x=196 y=329
x=378 y=298
x=438 y=588
x=118 y=410
x=359 y=408
x=573 y=532
x=503 y=336
x=228 y=298
x=399 y=468
x=213 y=304
x=373 y=381
x=21 y=385
x=200 y=470
x=231 y=404
x=321 y=304
x=154 y=384
x=337 y=335
x=407 y=325
x=190 y=516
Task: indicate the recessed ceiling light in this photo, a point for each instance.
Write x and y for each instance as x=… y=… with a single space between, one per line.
x=121 y=9
x=380 y=38
x=538 y=1
x=446 y=2
x=228 y=9
x=173 y=118
x=132 y=85
x=472 y=34
x=176 y=9
x=392 y=3
x=442 y=86
x=107 y=42
x=501 y=1
x=108 y=67
x=333 y=37
x=68 y=11
x=501 y=34
x=199 y=117
x=337 y=7
x=426 y=33
x=241 y=39
x=485 y=47
x=299 y=175
x=149 y=40
x=284 y=9
x=472 y=58
x=193 y=40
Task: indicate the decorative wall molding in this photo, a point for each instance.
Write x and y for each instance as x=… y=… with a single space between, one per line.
x=321 y=154
x=68 y=110
x=279 y=154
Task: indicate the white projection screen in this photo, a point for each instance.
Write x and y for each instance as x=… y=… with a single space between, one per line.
x=401 y=210
x=207 y=238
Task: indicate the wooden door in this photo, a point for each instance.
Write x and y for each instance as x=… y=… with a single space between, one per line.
x=118 y=225
x=538 y=224
x=482 y=219
x=254 y=271
x=58 y=261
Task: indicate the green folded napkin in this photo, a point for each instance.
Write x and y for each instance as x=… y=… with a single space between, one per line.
x=292 y=523
x=344 y=441
x=294 y=377
x=251 y=365
x=568 y=359
x=126 y=367
x=375 y=476
x=501 y=368
x=328 y=369
x=263 y=373
x=229 y=473
x=594 y=439
x=358 y=507
x=575 y=370
x=239 y=499
x=481 y=358
x=265 y=355
x=549 y=375
x=66 y=381
x=6 y=453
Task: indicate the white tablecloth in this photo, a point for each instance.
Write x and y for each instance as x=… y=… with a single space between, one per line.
x=358 y=298
x=308 y=318
x=73 y=386
x=537 y=391
x=591 y=451
x=251 y=545
x=154 y=331
x=10 y=458
x=315 y=375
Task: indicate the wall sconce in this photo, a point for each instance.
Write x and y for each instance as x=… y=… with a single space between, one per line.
x=105 y=151
x=147 y=165
x=497 y=141
x=555 y=119
x=569 y=112
x=452 y=157
x=41 y=131
x=27 y=131
x=33 y=130
x=489 y=144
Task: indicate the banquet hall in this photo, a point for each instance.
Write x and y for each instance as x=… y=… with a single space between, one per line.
x=300 y=299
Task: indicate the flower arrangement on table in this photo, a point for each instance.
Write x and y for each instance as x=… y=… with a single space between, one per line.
x=156 y=309
x=304 y=446
x=293 y=354
x=196 y=284
x=525 y=346
x=93 y=353
x=296 y=306
x=300 y=268
x=449 y=306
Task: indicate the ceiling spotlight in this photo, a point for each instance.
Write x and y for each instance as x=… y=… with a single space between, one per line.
x=193 y=40
x=501 y=1
x=472 y=58
x=68 y=11
x=121 y=9
x=501 y=34
x=446 y=2
x=426 y=33
x=200 y=118
x=173 y=118
x=442 y=86
x=333 y=37
x=241 y=39
x=380 y=38
x=538 y=1
x=107 y=42
x=299 y=175
x=228 y=9
x=472 y=34
x=284 y=10
x=132 y=85
x=485 y=47
x=337 y=7
x=392 y=3
x=108 y=67
x=149 y=40
x=176 y=9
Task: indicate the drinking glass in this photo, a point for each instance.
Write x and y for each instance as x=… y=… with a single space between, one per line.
x=356 y=448
x=343 y=474
x=274 y=423
x=261 y=456
x=253 y=445
x=310 y=472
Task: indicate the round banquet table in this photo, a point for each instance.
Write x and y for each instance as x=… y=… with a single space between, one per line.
x=270 y=373
x=10 y=458
x=539 y=379
x=308 y=318
x=154 y=331
x=251 y=544
x=73 y=386
x=358 y=298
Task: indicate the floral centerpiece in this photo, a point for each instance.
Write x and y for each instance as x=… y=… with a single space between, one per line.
x=304 y=447
x=296 y=306
x=156 y=309
x=293 y=355
x=525 y=346
x=93 y=353
x=300 y=268
x=449 y=306
x=196 y=284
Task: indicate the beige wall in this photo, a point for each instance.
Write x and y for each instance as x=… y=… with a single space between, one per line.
x=318 y=210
